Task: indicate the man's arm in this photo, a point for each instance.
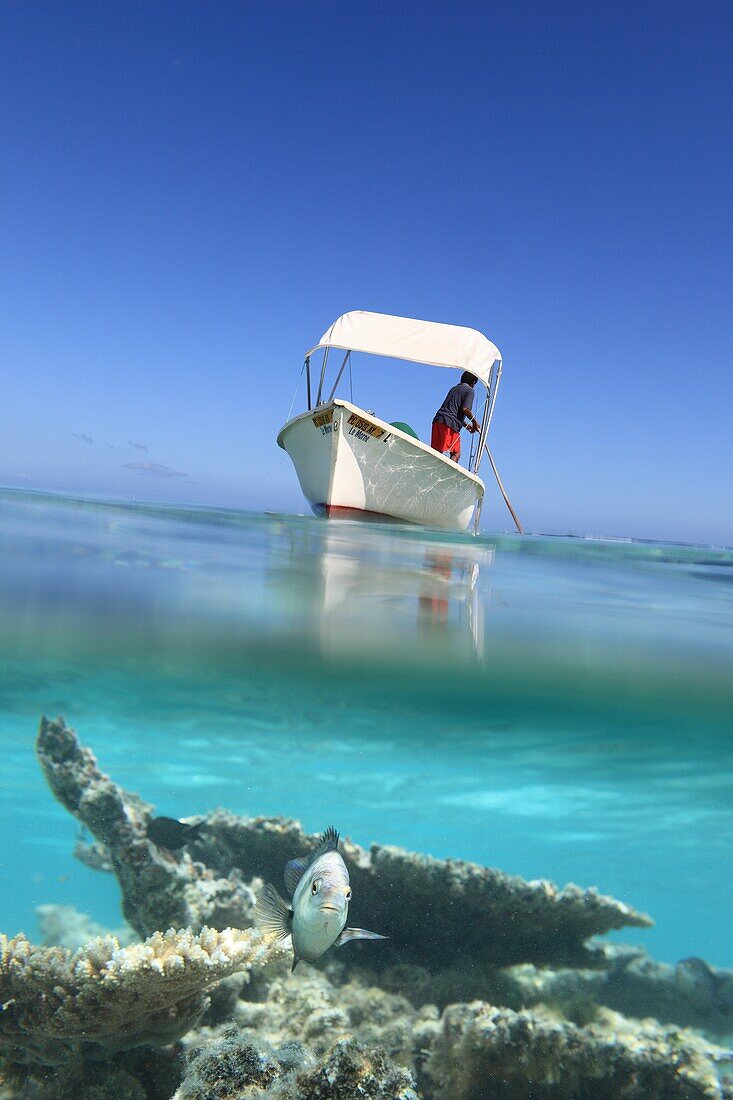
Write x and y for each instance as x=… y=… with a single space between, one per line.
x=474 y=424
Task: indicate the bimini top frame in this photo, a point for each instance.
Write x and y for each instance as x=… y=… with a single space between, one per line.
x=414 y=341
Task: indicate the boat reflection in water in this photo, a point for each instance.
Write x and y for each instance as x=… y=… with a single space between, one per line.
x=355 y=588
x=449 y=598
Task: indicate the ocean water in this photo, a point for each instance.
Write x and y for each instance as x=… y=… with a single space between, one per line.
x=558 y=708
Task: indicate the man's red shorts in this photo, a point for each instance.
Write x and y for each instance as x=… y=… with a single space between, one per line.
x=445 y=439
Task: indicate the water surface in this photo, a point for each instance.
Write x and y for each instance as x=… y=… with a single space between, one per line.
x=558 y=708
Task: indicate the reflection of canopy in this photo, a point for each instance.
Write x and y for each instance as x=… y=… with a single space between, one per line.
x=417 y=341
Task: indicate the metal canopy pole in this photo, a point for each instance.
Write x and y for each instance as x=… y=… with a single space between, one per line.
x=308 y=378
x=323 y=375
x=482 y=431
x=494 y=380
x=338 y=377
x=493 y=389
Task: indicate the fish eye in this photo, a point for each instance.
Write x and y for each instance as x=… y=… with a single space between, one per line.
x=348 y=893
x=316 y=886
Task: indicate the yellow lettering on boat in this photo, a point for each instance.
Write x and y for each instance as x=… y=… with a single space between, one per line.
x=366 y=426
x=323 y=418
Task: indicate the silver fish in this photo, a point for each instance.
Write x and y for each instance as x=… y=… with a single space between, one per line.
x=316 y=917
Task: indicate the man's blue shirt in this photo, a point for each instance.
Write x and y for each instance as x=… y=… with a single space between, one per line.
x=460 y=397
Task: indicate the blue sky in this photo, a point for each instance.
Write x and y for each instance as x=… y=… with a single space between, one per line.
x=192 y=192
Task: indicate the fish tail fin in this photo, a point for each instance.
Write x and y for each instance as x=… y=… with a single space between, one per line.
x=272 y=914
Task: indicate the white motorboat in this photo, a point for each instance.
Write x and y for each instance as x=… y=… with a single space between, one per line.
x=351 y=463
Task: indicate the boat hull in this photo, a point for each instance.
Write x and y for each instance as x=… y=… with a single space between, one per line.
x=353 y=465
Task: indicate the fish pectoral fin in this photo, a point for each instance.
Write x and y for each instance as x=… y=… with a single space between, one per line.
x=294 y=871
x=357 y=934
x=272 y=914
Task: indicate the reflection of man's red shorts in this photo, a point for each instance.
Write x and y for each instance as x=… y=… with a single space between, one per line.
x=445 y=439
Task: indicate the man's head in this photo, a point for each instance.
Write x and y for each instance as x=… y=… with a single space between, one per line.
x=468 y=377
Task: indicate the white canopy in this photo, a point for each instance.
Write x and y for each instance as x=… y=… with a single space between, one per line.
x=416 y=341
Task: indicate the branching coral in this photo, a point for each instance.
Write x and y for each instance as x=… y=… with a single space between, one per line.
x=104 y=998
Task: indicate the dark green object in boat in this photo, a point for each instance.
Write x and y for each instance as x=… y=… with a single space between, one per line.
x=405 y=428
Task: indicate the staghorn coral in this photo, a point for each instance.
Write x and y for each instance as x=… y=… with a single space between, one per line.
x=237 y=1068
x=486 y=1053
x=59 y=1007
x=465 y=914
x=158 y=889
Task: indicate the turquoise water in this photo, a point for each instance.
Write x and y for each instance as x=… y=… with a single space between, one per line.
x=559 y=708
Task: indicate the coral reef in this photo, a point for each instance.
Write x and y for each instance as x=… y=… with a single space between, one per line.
x=93 y=854
x=463 y=912
x=158 y=890
x=421 y=902
x=487 y=1053
x=235 y=1068
x=142 y=1074
x=348 y=1071
x=101 y=1082
x=229 y=1068
x=59 y=1006
x=479 y=1051
x=310 y=1007
x=86 y=1025
x=690 y=994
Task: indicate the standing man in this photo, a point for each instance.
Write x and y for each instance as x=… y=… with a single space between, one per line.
x=451 y=417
